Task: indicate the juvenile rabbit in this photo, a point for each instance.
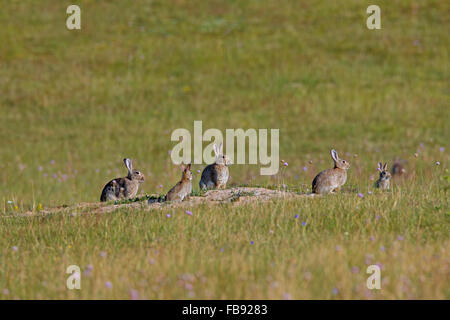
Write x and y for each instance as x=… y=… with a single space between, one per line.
x=384 y=180
x=331 y=180
x=215 y=176
x=123 y=188
x=183 y=188
x=398 y=168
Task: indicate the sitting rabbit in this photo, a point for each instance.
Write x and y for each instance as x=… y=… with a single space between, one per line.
x=123 y=188
x=215 y=176
x=331 y=180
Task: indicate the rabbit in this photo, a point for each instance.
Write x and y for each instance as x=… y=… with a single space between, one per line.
x=216 y=175
x=398 y=168
x=123 y=188
x=183 y=188
x=384 y=180
x=330 y=180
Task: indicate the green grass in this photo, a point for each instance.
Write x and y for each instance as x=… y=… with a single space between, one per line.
x=75 y=103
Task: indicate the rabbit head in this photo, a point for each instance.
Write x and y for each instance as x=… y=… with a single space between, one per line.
x=338 y=162
x=221 y=158
x=187 y=173
x=384 y=173
x=398 y=168
x=132 y=173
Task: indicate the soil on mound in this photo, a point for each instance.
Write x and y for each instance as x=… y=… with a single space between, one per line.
x=236 y=196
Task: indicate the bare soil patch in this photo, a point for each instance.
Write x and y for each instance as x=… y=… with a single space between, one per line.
x=236 y=196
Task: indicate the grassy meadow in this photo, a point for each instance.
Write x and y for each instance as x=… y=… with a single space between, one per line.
x=75 y=103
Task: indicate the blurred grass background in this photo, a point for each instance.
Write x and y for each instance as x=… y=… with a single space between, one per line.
x=75 y=103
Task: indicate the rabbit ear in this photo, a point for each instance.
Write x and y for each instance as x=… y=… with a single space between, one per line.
x=220 y=148
x=380 y=166
x=334 y=155
x=189 y=167
x=216 y=151
x=385 y=167
x=182 y=167
x=128 y=164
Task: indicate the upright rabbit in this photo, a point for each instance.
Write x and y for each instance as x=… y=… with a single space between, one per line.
x=331 y=180
x=215 y=176
x=183 y=188
x=123 y=188
x=384 y=180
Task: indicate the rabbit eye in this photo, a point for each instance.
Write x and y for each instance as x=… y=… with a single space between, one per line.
x=137 y=172
x=343 y=161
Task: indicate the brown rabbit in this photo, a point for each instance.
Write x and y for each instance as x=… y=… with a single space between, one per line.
x=398 y=168
x=182 y=189
x=123 y=188
x=331 y=180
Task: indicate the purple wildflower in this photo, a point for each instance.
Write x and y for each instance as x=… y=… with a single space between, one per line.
x=400 y=238
x=189 y=212
x=304 y=223
x=296 y=216
x=88 y=270
x=360 y=195
x=252 y=242
x=285 y=164
x=5 y=292
x=335 y=291
x=355 y=269
x=108 y=284
x=305 y=168
x=134 y=295
x=168 y=215
x=103 y=254
x=441 y=149
x=15 y=248
x=287 y=296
